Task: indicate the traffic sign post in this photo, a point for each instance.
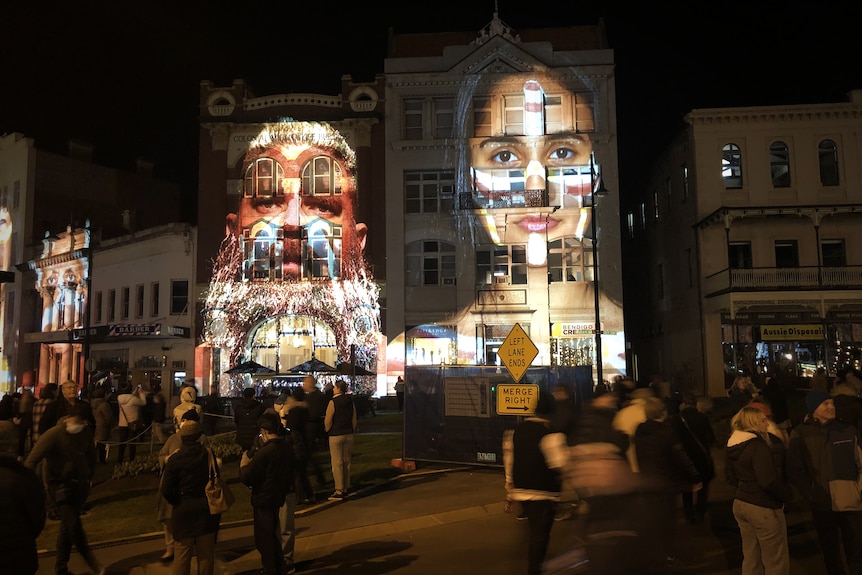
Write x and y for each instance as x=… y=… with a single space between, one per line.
x=517 y=352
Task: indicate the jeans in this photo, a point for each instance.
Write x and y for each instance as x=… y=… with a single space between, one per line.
x=340 y=452
x=71 y=533
x=540 y=519
x=267 y=539
x=124 y=435
x=764 y=539
x=287 y=524
x=837 y=528
x=203 y=546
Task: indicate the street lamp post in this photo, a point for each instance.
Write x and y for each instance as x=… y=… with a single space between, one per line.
x=597 y=328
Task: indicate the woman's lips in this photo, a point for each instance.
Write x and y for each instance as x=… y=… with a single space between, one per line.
x=535 y=223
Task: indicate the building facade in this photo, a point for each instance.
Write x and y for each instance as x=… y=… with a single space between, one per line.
x=496 y=142
x=291 y=263
x=741 y=249
x=52 y=207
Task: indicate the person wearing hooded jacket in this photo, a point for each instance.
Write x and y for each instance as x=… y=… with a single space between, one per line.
x=188 y=397
x=247 y=412
x=824 y=462
x=760 y=493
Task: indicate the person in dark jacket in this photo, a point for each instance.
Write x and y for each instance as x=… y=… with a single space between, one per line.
x=534 y=454
x=340 y=424
x=666 y=470
x=22 y=515
x=186 y=474
x=269 y=473
x=294 y=414
x=823 y=466
x=67 y=403
x=314 y=429
x=760 y=494
x=69 y=451
x=248 y=411
x=698 y=438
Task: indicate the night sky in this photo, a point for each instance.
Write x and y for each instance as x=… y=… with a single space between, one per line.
x=126 y=77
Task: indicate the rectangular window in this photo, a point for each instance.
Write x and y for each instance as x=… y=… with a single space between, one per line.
x=139 y=300
x=112 y=305
x=154 y=299
x=584 y=112
x=179 y=296
x=124 y=304
x=430 y=263
x=553 y=114
x=444 y=117
x=630 y=222
x=97 y=308
x=739 y=255
x=568 y=261
x=832 y=253
x=655 y=214
x=786 y=254
x=413 y=118
x=513 y=115
x=501 y=265
x=429 y=192
x=482 y=117
x=685 y=183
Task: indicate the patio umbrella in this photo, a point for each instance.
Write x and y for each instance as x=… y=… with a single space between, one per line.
x=249 y=367
x=313 y=365
x=347 y=368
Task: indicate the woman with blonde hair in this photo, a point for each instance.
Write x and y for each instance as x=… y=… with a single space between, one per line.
x=758 y=501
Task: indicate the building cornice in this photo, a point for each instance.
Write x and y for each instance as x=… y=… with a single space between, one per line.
x=820 y=112
x=726 y=215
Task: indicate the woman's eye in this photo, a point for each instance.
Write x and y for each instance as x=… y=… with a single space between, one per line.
x=504 y=157
x=562 y=153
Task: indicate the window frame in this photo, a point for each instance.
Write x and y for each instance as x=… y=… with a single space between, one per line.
x=560 y=263
x=827 y=161
x=504 y=260
x=424 y=253
x=731 y=166
x=177 y=297
x=424 y=190
x=779 y=164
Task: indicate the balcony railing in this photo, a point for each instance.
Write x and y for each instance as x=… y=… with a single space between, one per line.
x=783 y=279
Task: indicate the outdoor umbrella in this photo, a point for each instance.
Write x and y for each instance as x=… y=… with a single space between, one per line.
x=249 y=367
x=313 y=365
x=347 y=368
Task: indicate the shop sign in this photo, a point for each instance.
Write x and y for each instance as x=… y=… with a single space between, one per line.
x=135 y=329
x=574 y=329
x=791 y=332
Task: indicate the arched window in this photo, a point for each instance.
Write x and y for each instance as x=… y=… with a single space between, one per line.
x=263 y=178
x=779 y=164
x=828 y=154
x=430 y=263
x=321 y=177
x=731 y=166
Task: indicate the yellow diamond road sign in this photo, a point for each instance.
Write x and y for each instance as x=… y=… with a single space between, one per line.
x=517 y=352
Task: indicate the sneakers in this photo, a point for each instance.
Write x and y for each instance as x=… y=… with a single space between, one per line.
x=337 y=496
x=168 y=556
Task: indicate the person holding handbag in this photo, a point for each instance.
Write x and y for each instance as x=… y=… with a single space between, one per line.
x=698 y=438
x=184 y=482
x=130 y=404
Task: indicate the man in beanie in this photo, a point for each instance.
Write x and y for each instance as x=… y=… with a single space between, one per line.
x=533 y=458
x=269 y=472
x=823 y=464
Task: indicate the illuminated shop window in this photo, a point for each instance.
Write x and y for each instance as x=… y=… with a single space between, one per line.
x=323 y=250
x=263 y=179
x=501 y=265
x=413 y=118
x=321 y=177
x=570 y=260
x=779 y=164
x=828 y=155
x=429 y=192
x=430 y=263
x=490 y=338
x=731 y=166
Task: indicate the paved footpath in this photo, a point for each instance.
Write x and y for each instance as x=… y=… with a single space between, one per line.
x=449 y=520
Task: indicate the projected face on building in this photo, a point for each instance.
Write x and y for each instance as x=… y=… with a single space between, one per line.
x=296 y=212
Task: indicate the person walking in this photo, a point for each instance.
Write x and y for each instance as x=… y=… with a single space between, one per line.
x=47 y=395
x=533 y=457
x=314 y=429
x=131 y=404
x=399 y=392
x=67 y=403
x=759 y=494
x=104 y=422
x=69 y=453
x=630 y=416
x=295 y=417
x=340 y=424
x=698 y=438
x=22 y=515
x=823 y=466
x=269 y=472
x=185 y=476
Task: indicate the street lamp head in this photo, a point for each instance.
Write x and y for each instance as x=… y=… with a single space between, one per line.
x=601 y=190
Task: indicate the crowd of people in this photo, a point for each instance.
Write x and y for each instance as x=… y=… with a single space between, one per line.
x=637 y=461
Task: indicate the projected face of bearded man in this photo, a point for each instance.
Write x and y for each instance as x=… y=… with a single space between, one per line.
x=296 y=214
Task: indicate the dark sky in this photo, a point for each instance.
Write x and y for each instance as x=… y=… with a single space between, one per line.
x=125 y=77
